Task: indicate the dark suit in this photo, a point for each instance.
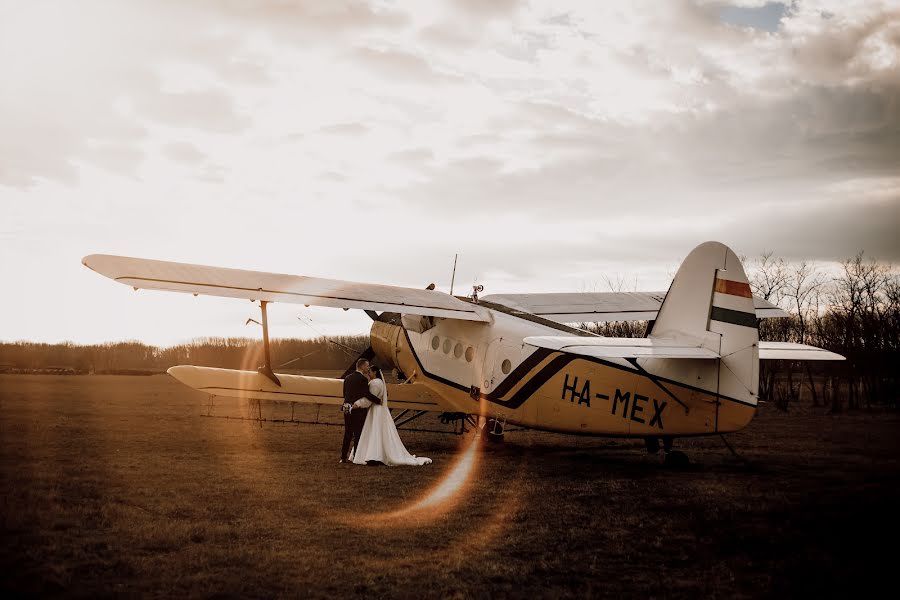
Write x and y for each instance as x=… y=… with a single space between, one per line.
x=356 y=386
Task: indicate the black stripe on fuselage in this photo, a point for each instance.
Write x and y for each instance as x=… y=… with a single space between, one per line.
x=735 y=317
x=533 y=360
x=544 y=375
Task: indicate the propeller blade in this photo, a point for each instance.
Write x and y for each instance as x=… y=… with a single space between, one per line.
x=367 y=354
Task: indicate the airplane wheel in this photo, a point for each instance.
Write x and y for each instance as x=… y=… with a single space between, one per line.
x=494 y=430
x=676 y=459
x=667 y=442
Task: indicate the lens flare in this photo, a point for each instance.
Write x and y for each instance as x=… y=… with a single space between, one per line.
x=500 y=506
x=250 y=360
x=442 y=498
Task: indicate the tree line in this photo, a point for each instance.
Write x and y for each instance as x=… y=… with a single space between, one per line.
x=854 y=312
x=288 y=355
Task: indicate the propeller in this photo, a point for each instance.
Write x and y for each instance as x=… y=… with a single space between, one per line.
x=367 y=354
x=385 y=317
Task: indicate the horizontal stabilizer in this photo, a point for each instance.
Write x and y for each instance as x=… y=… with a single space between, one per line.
x=596 y=307
x=294 y=388
x=276 y=287
x=605 y=347
x=790 y=351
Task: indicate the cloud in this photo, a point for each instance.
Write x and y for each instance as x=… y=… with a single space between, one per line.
x=449 y=35
x=183 y=152
x=486 y=8
x=207 y=110
x=114 y=157
x=843 y=48
x=534 y=138
x=416 y=157
x=298 y=19
x=834 y=230
x=399 y=65
x=79 y=81
x=345 y=129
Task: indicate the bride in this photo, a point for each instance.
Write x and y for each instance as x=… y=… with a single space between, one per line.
x=380 y=441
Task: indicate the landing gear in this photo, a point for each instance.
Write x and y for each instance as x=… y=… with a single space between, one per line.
x=493 y=430
x=266 y=369
x=673 y=458
x=676 y=459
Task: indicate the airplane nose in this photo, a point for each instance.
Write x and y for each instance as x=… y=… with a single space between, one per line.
x=383 y=338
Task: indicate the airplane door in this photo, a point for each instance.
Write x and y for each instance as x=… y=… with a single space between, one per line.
x=489 y=379
x=500 y=359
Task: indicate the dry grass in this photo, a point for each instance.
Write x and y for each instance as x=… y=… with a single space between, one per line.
x=117 y=486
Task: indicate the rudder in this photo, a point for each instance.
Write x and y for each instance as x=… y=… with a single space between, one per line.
x=710 y=302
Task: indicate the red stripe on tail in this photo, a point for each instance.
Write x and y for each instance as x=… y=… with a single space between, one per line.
x=733 y=288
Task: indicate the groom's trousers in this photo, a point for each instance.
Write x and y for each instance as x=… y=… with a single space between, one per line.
x=353 y=426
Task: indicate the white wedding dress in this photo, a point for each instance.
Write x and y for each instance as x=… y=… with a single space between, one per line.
x=380 y=440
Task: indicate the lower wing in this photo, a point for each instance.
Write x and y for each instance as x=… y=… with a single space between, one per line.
x=294 y=388
x=605 y=347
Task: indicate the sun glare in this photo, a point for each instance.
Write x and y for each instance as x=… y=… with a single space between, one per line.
x=439 y=500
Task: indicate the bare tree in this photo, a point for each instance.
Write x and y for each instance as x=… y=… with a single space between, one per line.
x=622 y=329
x=768 y=279
x=803 y=290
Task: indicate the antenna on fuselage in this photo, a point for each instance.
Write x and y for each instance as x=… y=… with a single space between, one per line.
x=453 y=276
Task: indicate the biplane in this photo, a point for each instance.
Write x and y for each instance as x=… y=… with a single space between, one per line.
x=517 y=359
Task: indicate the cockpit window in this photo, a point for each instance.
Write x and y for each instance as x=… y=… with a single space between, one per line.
x=417 y=323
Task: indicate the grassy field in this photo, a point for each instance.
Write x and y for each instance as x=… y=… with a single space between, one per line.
x=117 y=486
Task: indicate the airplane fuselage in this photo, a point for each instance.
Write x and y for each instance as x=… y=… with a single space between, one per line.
x=487 y=369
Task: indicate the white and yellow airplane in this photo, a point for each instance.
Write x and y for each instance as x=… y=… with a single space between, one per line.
x=512 y=358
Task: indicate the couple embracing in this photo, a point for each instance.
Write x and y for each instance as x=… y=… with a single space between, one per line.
x=368 y=421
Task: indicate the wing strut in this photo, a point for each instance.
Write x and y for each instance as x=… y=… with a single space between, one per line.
x=266 y=369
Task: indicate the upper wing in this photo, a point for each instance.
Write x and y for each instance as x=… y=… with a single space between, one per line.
x=605 y=347
x=791 y=351
x=276 y=287
x=602 y=306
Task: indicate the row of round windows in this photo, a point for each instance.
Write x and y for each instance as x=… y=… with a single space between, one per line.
x=506 y=365
x=457 y=349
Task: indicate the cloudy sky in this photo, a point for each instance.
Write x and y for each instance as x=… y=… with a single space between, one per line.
x=550 y=144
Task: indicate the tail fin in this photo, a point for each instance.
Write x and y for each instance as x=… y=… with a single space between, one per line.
x=710 y=302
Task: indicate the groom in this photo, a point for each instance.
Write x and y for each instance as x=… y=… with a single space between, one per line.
x=356 y=386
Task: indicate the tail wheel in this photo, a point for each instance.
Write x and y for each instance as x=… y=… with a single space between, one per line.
x=676 y=459
x=494 y=430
